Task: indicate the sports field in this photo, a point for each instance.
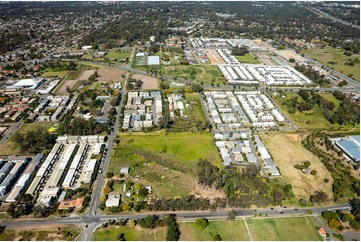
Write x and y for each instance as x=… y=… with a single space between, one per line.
x=167 y=162
x=287 y=151
x=228 y=230
x=130 y=234
x=118 y=54
x=329 y=54
x=284 y=229
x=247 y=58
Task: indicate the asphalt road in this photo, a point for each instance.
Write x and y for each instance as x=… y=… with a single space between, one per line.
x=94 y=220
x=11 y=131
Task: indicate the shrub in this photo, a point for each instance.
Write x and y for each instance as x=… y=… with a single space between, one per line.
x=201 y=223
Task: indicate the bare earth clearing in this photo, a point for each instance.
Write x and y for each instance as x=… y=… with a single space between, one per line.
x=287 y=151
x=214 y=57
x=148 y=82
x=62 y=89
x=86 y=74
x=110 y=75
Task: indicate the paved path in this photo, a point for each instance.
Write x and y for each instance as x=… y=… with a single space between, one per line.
x=248 y=231
x=320 y=223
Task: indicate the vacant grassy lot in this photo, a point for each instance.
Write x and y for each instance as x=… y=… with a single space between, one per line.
x=166 y=162
x=335 y=54
x=130 y=234
x=228 y=230
x=11 y=147
x=118 y=54
x=74 y=75
x=314 y=118
x=199 y=73
x=48 y=72
x=39 y=233
x=276 y=229
x=247 y=58
x=287 y=151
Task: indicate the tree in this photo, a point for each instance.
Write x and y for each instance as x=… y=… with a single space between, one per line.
x=173 y=232
x=333 y=223
x=231 y=215
x=110 y=174
x=143 y=192
x=121 y=237
x=278 y=195
x=217 y=237
x=149 y=222
x=201 y=223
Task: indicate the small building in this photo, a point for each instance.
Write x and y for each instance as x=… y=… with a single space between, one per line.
x=71 y=203
x=113 y=200
x=124 y=170
x=153 y=60
x=322 y=232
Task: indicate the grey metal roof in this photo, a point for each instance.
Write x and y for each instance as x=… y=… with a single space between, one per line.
x=351 y=146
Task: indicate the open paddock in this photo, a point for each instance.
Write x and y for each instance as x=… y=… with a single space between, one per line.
x=288 y=151
x=148 y=82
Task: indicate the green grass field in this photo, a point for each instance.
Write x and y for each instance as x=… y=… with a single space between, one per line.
x=313 y=119
x=275 y=229
x=73 y=75
x=201 y=73
x=117 y=54
x=48 y=233
x=130 y=234
x=335 y=54
x=11 y=147
x=228 y=230
x=48 y=72
x=247 y=58
x=165 y=162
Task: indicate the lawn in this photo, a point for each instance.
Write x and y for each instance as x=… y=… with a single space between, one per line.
x=228 y=230
x=199 y=73
x=247 y=58
x=167 y=162
x=331 y=98
x=335 y=54
x=74 y=75
x=287 y=151
x=276 y=229
x=37 y=233
x=130 y=234
x=11 y=147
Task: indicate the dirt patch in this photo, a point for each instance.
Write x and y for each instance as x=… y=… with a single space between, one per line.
x=148 y=82
x=86 y=74
x=211 y=193
x=214 y=57
x=293 y=137
x=49 y=227
x=110 y=75
x=62 y=90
